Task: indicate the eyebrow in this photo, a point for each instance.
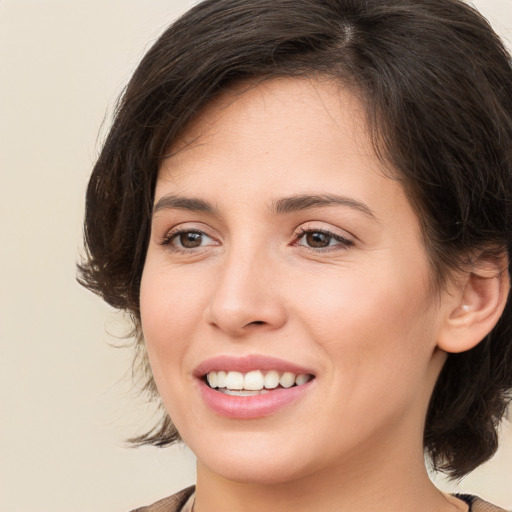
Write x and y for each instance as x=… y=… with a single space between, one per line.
x=171 y=201
x=278 y=206
x=309 y=201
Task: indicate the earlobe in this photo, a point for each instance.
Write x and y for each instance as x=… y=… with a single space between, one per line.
x=478 y=306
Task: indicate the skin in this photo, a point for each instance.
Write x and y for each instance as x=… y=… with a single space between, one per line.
x=358 y=312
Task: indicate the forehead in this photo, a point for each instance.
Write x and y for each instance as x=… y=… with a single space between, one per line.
x=289 y=107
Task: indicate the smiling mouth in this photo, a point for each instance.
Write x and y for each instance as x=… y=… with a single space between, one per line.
x=256 y=382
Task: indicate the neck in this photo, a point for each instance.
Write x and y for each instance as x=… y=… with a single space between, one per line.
x=371 y=483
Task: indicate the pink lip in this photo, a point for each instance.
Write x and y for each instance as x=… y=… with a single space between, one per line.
x=249 y=407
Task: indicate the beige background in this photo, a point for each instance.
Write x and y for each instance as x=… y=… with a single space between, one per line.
x=65 y=400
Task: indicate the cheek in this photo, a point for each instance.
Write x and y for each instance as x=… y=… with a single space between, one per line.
x=378 y=339
x=170 y=311
x=377 y=321
x=171 y=302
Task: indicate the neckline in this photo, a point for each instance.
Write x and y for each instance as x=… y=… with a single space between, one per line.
x=466 y=498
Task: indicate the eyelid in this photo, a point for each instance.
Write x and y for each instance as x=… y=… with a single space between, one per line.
x=172 y=235
x=187 y=227
x=200 y=227
x=344 y=240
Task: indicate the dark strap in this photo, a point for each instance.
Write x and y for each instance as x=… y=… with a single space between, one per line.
x=171 y=504
x=478 y=505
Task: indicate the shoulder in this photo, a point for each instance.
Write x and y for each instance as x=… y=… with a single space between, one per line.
x=479 y=505
x=172 y=503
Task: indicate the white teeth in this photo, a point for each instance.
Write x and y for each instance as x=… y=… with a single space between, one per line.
x=244 y=392
x=254 y=382
x=221 y=379
x=234 y=380
x=212 y=379
x=271 y=379
x=287 y=380
x=300 y=379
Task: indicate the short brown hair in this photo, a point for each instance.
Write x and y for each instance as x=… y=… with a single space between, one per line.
x=436 y=83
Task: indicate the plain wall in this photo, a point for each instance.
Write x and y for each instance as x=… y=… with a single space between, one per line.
x=65 y=401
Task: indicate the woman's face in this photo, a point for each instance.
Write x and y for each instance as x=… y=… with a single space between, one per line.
x=279 y=246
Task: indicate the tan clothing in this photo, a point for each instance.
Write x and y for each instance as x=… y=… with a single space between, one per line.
x=184 y=500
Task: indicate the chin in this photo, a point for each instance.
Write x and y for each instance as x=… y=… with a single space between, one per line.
x=268 y=472
x=259 y=463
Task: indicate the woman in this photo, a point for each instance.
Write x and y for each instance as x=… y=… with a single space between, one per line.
x=305 y=206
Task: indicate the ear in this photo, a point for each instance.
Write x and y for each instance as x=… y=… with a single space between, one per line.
x=477 y=304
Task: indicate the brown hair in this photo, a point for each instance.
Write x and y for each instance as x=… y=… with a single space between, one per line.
x=436 y=82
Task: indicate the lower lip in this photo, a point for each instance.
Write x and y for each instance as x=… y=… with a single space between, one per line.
x=252 y=407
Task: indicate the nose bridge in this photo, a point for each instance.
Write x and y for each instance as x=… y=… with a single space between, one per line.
x=246 y=292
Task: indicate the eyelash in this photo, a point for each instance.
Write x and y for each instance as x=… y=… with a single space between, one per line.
x=168 y=239
x=344 y=242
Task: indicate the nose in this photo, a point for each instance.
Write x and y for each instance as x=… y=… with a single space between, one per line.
x=247 y=295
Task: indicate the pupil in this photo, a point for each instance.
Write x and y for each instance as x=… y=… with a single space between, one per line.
x=190 y=240
x=317 y=239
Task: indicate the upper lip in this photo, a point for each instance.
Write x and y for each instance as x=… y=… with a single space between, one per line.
x=244 y=364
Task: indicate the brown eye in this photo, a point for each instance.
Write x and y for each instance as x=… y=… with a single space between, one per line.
x=190 y=239
x=187 y=240
x=317 y=239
